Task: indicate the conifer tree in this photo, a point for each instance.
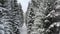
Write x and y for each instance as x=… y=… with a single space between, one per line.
x=40 y=9
x=11 y=17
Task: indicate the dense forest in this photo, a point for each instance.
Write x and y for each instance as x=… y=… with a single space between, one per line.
x=42 y=17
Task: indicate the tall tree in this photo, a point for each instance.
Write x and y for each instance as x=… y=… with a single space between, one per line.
x=53 y=17
x=17 y=17
x=11 y=16
x=36 y=13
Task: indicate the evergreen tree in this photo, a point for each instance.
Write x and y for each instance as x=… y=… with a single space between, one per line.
x=11 y=17
x=34 y=17
x=41 y=10
x=17 y=17
x=54 y=19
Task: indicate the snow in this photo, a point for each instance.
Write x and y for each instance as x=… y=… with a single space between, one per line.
x=24 y=4
x=24 y=29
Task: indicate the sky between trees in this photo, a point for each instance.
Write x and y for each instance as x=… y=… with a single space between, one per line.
x=24 y=4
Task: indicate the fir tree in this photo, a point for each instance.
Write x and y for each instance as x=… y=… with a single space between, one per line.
x=11 y=16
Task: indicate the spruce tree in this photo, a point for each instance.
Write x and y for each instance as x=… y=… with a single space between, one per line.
x=34 y=17
x=41 y=9
x=11 y=17
x=17 y=17
x=53 y=17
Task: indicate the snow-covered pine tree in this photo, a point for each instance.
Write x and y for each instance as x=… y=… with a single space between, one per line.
x=4 y=18
x=29 y=19
x=17 y=17
x=39 y=23
x=50 y=8
x=35 y=13
x=53 y=17
x=11 y=17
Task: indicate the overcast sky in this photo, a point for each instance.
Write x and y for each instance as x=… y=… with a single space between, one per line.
x=24 y=4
